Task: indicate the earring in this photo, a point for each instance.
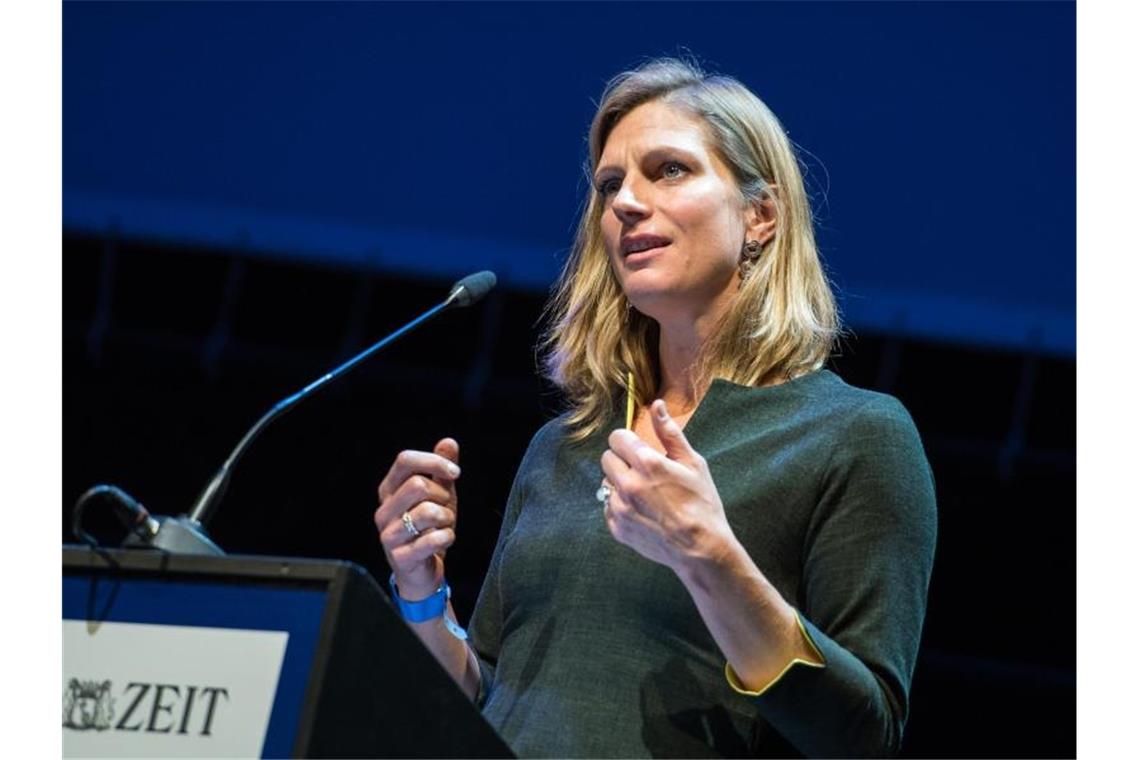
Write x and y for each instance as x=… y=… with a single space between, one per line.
x=749 y=255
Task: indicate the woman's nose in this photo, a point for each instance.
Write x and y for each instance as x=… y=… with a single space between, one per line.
x=629 y=204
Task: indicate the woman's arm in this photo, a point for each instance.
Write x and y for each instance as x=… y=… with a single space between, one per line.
x=416 y=521
x=758 y=632
x=454 y=655
x=866 y=571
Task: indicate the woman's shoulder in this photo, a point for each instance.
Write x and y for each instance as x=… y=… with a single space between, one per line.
x=862 y=405
x=547 y=439
x=861 y=417
x=822 y=398
x=874 y=433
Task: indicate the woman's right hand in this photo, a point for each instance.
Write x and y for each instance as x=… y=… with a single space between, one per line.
x=422 y=485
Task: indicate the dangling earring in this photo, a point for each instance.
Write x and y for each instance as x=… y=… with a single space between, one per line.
x=749 y=255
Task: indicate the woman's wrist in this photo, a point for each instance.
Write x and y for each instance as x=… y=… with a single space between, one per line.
x=756 y=628
x=725 y=568
x=716 y=558
x=415 y=589
x=434 y=608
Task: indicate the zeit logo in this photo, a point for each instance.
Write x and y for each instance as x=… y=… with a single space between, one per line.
x=156 y=708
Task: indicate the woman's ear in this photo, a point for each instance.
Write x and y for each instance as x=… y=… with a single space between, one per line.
x=761 y=217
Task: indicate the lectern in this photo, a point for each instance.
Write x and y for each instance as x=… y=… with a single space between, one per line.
x=170 y=655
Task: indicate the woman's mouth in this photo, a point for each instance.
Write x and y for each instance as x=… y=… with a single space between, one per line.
x=637 y=247
x=642 y=256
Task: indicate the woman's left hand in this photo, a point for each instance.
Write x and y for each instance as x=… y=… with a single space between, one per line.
x=663 y=506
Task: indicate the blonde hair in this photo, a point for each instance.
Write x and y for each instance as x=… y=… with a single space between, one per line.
x=783 y=322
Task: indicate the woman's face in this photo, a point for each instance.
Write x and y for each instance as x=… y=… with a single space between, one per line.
x=673 y=220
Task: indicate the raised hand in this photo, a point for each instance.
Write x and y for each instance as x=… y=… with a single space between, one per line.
x=663 y=506
x=417 y=516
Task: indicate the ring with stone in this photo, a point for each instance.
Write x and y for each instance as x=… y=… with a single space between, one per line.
x=603 y=493
x=410 y=526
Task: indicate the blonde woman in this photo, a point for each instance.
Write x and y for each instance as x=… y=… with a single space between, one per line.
x=721 y=548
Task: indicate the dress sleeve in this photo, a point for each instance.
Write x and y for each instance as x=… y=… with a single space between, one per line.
x=867 y=562
x=485 y=626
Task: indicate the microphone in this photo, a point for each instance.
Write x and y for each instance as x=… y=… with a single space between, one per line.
x=471 y=288
x=186 y=533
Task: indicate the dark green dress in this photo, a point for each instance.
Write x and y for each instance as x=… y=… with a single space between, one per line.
x=590 y=650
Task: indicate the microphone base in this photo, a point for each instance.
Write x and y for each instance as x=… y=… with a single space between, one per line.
x=178 y=535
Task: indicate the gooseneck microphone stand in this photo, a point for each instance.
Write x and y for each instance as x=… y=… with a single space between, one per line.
x=186 y=534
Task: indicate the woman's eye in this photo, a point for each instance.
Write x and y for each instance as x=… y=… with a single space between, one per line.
x=608 y=187
x=672 y=170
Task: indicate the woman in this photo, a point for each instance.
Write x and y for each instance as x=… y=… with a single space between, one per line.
x=755 y=580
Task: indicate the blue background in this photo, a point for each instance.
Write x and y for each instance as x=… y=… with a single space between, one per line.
x=441 y=138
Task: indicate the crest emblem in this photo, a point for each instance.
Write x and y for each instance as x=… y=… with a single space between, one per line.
x=88 y=705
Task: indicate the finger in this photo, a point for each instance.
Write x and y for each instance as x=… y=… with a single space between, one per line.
x=428 y=515
x=409 y=554
x=394 y=535
x=635 y=452
x=631 y=488
x=448 y=448
x=671 y=436
x=624 y=480
x=612 y=525
x=614 y=467
x=425 y=516
x=613 y=522
x=410 y=463
x=411 y=492
x=623 y=519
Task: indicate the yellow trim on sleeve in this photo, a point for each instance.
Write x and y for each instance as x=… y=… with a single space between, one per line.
x=810 y=642
x=739 y=688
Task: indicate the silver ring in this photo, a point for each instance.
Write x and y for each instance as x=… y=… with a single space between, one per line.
x=603 y=493
x=410 y=526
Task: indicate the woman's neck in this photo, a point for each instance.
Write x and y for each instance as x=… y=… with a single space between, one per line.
x=680 y=347
x=685 y=332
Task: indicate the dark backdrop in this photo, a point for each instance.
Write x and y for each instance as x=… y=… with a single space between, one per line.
x=254 y=191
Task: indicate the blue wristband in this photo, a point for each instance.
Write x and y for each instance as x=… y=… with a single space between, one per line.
x=425 y=609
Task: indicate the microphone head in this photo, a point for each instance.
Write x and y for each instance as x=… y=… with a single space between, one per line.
x=471 y=288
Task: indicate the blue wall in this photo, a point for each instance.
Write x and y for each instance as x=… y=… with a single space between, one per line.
x=444 y=138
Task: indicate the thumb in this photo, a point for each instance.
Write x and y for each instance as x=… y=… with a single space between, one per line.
x=448 y=448
x=670 y=434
